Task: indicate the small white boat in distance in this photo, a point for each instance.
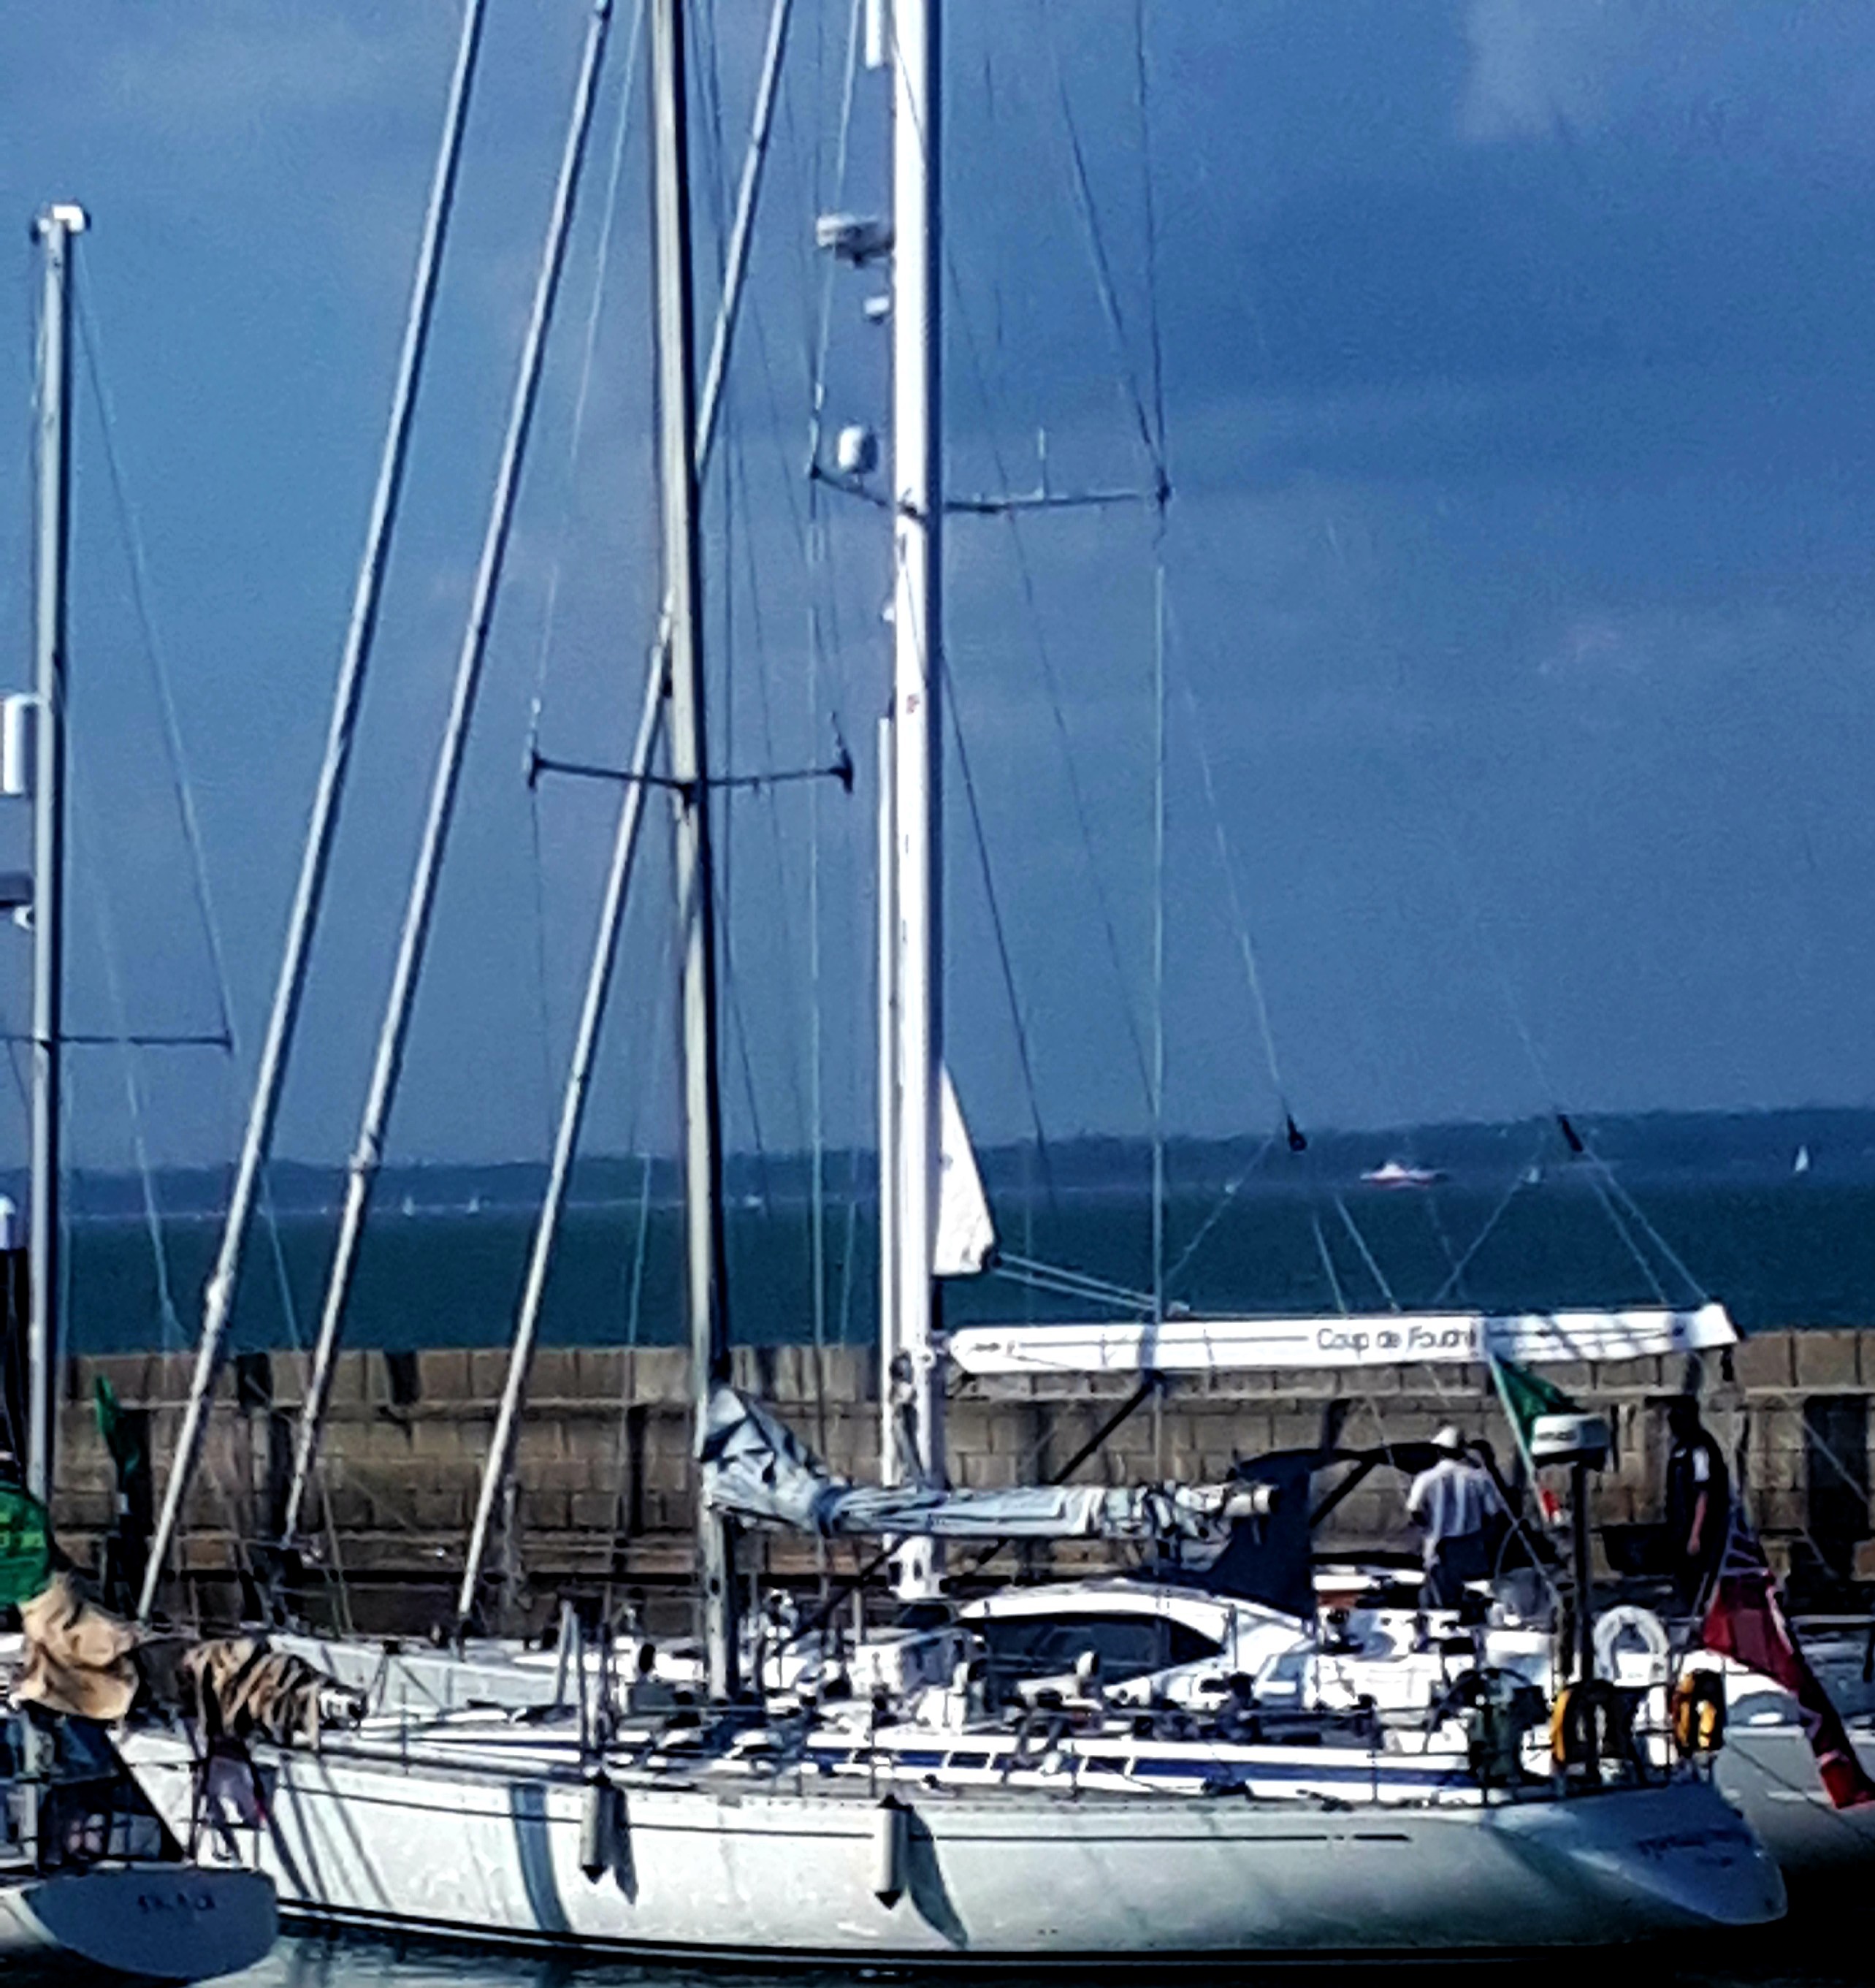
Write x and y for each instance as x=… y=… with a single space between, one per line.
x=1397 y=1173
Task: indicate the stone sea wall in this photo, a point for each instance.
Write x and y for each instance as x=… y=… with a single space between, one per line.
x=605 y=1472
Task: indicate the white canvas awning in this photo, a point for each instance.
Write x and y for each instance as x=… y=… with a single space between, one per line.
x=1380 y=1339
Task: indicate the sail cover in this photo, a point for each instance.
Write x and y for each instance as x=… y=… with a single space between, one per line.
x=755 y=1468
x=1184 y=1345
x=966 y=1237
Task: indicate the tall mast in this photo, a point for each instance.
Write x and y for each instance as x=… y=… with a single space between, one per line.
x=55 y=227
x=917 y=641
x=618 y=877
x=218 y=1303
x=892 y=1466
x=705 y=1271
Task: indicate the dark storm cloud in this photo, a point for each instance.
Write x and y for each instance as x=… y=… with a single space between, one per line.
x=1517 y=386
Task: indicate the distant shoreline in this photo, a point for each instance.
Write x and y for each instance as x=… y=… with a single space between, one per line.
x=1838 y=1143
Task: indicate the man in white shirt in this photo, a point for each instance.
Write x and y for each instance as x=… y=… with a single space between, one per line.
x=1454 y=1503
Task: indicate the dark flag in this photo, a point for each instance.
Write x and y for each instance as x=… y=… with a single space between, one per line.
x=1745 y=1620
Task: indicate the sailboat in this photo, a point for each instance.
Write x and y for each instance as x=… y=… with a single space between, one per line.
x=916 y=1823
x=92 y=1886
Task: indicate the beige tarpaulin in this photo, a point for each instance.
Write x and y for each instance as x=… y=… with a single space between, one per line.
x=240 y=1687
x=82 y=1662
x=79 y=1656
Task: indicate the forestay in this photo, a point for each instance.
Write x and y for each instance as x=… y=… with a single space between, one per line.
x=1184 y=1345
x=755 y=1469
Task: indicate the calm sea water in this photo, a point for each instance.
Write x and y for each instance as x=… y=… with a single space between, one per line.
x=1803 y=1954
x=1783 y=1250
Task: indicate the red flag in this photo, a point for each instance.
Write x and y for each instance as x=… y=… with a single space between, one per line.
x=1745 y=1620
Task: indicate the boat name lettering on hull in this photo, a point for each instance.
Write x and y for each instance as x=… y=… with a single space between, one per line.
x=1456 y=1341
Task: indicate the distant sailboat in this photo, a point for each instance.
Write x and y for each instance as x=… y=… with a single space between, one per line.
x=1801 y=1165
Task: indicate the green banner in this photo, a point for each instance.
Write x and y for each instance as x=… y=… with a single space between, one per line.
x=25 y=1547
x=1525 y=1396
x=125 y=1453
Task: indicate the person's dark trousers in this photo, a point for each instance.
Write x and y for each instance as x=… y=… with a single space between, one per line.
x=1455 y=1561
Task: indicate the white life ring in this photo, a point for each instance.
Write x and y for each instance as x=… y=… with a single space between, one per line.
x=1618 y=1625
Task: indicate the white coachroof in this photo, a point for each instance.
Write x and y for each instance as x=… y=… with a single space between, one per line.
x=1380 y=1339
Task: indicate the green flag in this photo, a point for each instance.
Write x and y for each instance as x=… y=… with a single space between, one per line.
x=1525 y=1396
x=25 y=1547
x=125 y=1451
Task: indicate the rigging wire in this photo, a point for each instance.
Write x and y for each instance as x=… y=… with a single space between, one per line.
x=1057 y=702
x=1246 y=940
x=816 y=1130
x=1030 y=595
x=1155 y=337
x=1367 y=1254
x=1151 y=438
x=16 y=1039
x=181 y=783
x=1327 y=1261
x=738 y=525
x=737 y=468
x=1608 y=1188
x=665 y=984
x=1454 y=1285
x=1233 y=1187
x=174 y=1336
x=821 y=621
x=651 y=1043
x=91 y=346
x=1005 y=964
x=818 y=371
x=720 y=649
x=1158 y=919
x=628 y=97
x=1143 y=101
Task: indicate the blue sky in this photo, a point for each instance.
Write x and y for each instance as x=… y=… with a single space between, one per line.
x=1516 y=360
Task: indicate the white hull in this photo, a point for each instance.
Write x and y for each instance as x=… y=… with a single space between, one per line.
x=1765 y=1770
x=790 y=1867
x=154 y=1921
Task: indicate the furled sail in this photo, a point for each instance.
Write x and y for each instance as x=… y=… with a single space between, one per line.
x=1188 y=1345
x=755 y=1468
x=966 y=1237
